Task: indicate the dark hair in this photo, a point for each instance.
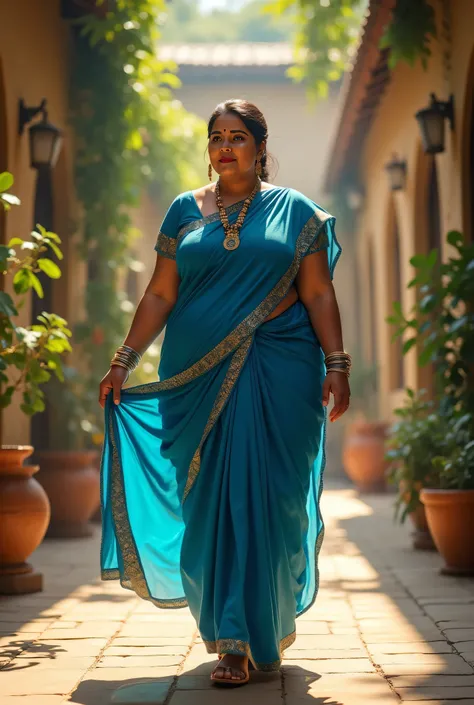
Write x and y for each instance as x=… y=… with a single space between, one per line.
x=253 y=120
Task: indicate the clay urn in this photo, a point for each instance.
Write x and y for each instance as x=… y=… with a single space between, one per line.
x=72 y=484
x=24 y=518
x=450 y=517
x=364 y=455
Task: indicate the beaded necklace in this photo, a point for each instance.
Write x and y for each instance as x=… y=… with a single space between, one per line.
x=232 y=239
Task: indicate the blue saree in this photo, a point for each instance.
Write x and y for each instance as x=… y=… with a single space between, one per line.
x=212 y=477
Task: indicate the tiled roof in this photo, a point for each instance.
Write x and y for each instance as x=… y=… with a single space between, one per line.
x=364 y=87
x=242 y=54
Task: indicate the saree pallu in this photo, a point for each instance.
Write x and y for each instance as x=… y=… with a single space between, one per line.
x=212 y=477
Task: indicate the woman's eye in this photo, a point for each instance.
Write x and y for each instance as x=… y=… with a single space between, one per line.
x=238 y=137
x=215 y=138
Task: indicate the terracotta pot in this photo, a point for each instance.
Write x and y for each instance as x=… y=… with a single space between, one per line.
x=450 y=516
x=72 y=484
x=24 y=517
x=97 y=516
x=363 y=455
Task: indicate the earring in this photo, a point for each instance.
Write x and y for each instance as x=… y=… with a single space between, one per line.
x=258 y=168
x=209 y=171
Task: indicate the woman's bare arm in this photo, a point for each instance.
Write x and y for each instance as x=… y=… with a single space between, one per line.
x=155 y=306
x=316 y=292
x=150 y=318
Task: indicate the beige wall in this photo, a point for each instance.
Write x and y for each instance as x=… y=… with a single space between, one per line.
x=34 y=65
x=395 y=130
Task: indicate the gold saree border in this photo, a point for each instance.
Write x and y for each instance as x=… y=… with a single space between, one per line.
x=231 y=377
x=308 y=235
x=166 y=246
x=133 y=576
x=229 y=646
x=205 y=220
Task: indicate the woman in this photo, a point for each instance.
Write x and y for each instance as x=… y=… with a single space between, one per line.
x=212 y=476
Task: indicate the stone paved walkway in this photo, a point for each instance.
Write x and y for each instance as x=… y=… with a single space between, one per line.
x=387 y=628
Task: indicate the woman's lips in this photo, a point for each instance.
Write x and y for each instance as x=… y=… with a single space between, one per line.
x=225 y=160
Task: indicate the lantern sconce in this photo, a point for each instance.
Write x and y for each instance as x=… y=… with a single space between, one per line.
x=45 y=138
x=397 y=173
x=431 y=122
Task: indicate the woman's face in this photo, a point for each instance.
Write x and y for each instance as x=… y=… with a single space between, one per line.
x=232 y=148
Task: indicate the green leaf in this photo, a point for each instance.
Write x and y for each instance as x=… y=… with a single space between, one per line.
x=22 y=281
x=454 y=238
x=36 y=284
x=49 y=267
x=407 y=345
x=7 y=307
x=56 y=250
x=15 y=241
x=6 y=180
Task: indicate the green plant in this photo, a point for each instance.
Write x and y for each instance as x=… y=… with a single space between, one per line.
x=133 y=137
x=32 y=352
x=441 y=323
x=327 y=32
x=413 y=441
x=454 y=466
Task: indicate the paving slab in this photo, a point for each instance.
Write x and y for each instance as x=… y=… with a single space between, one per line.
x=410 y=647
x=137 y=661
x=447 y=663
x=432 y=680
x=40 y=682
x=431 y=692
x=354 y=665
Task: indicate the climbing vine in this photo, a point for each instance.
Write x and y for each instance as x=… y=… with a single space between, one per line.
x=327 y=32
x=132 y=134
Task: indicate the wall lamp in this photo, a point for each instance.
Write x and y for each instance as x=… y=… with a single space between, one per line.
x=431 y=122
x=45 y=138
x=397 y=173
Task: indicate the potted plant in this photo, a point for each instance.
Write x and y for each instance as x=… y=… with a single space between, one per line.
x=450 y=504
x=413 y=439
x=29 y=356
x=442 y=322
x=364 y=439
x=70 y=472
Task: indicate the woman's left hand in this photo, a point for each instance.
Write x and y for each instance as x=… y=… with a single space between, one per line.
x=338 y=384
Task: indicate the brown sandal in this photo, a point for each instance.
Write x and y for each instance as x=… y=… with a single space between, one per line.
x=232 y=682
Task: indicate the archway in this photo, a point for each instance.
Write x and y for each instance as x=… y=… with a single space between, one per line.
x=394 y=282
x=467 y=151
x=372 y=309
x=3 y=145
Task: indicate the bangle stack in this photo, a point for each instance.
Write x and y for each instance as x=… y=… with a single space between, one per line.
x=338 y=361
x=126 y=357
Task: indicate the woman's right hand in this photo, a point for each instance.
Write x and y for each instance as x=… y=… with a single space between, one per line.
x=113 y=380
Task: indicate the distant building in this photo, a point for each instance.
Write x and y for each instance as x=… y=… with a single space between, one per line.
x=376 y=121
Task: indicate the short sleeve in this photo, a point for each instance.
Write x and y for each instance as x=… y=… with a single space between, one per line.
x=318 y=231
x=166 y=241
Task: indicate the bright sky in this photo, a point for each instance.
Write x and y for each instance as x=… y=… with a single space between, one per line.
x=208 y=5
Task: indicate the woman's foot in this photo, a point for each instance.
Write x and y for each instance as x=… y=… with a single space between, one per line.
x=231 y=669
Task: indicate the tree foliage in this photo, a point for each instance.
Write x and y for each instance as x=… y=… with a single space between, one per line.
x=188 y=24
x=327 y=33
x=132 y=135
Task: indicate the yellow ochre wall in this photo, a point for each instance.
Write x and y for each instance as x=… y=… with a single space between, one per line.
x=34 y=65
x=395 y=130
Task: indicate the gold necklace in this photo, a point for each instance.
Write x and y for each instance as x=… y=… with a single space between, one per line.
x=232 y=239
